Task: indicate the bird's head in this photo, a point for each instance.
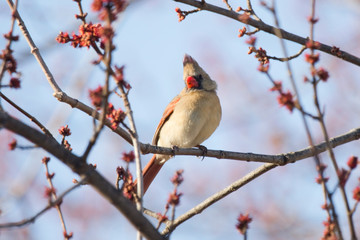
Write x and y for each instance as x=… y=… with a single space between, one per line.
x=195 y=77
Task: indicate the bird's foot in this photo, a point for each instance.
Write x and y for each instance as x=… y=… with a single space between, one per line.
x=203 y=149
x=174 y=149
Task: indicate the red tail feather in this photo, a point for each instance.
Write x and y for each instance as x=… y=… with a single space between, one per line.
x=149 y=172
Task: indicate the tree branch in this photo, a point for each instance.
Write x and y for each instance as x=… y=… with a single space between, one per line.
x=51 y=204
x=279 y=159
x=219 y=195
x=97 y=181
x=244 y=18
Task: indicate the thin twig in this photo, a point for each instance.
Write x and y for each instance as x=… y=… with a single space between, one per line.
x=218 y=196
x=136 y=144
x=105 y=91
x=325 y=132
x=228 y=5
x=32 y=118
x=284 y=59
x=50 y=205
x=53 y=197
x=93 y=177
x=317 y=160
x=270 y=29
x=33 y=48
x=252 y=12
x=8 y=47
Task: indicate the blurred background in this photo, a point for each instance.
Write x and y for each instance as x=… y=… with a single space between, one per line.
x=284 y=203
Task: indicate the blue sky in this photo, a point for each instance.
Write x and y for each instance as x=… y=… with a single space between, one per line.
x=151 y=44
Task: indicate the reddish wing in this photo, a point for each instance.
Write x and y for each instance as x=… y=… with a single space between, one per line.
x=168 y=111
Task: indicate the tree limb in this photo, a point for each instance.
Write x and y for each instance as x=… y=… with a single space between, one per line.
x=97 y=181
x=219 y=195
x=244 y=18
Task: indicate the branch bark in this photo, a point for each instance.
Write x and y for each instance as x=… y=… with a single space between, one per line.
x=279 y=159
x=270 y=29
x=218 y=196
x=97 y=181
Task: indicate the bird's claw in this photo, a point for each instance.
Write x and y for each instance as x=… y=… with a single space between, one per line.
x=204 y=151
x=174 y=149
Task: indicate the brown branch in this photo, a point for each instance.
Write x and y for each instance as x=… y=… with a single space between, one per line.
x=97 y=181
x=218 y=196
x=51 y=204
x=33 y=119
x=270 y=29
x=53 y=197
x=327 y=195
x=279 y=159
x=63 y=97
x=284 y=59
x=33 y=49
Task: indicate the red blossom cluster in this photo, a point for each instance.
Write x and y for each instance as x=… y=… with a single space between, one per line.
x=356 y=193
x=128 y=157
x=177 y=179
x=320 y=178
x=260 y=54
x=312 y=59
x=322 y=74
x=6 y=55
x=49 y=192
x=88 y=34
x=14 y=82
x=174 y=198
x=116 y=116
x=129 y=188
x=243 y=223
x=67 y=145
x=68 y=235
x=329 y=231
x=284 y=98
x=96 y=96
x=180 y=14
x=12 y=145
x=162 y=218
x=344 y=174
x=352 y=162
x=65 y=131
x=119 y=77
x=108 y=9
x=10 y=64
x=242 y=32
x=312 y=44
x=336 y=51
x=287 y=100
x=45 y=160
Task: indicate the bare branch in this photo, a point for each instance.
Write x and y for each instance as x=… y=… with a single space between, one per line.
x=284 y=59
x=97 y=181
x=219 y=195
x=32 y=118
x=244 y=18
x=279 y=159
x=33 y=49
x=51 y=204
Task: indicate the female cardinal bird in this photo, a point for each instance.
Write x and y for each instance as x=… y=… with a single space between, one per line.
x=189 y=119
